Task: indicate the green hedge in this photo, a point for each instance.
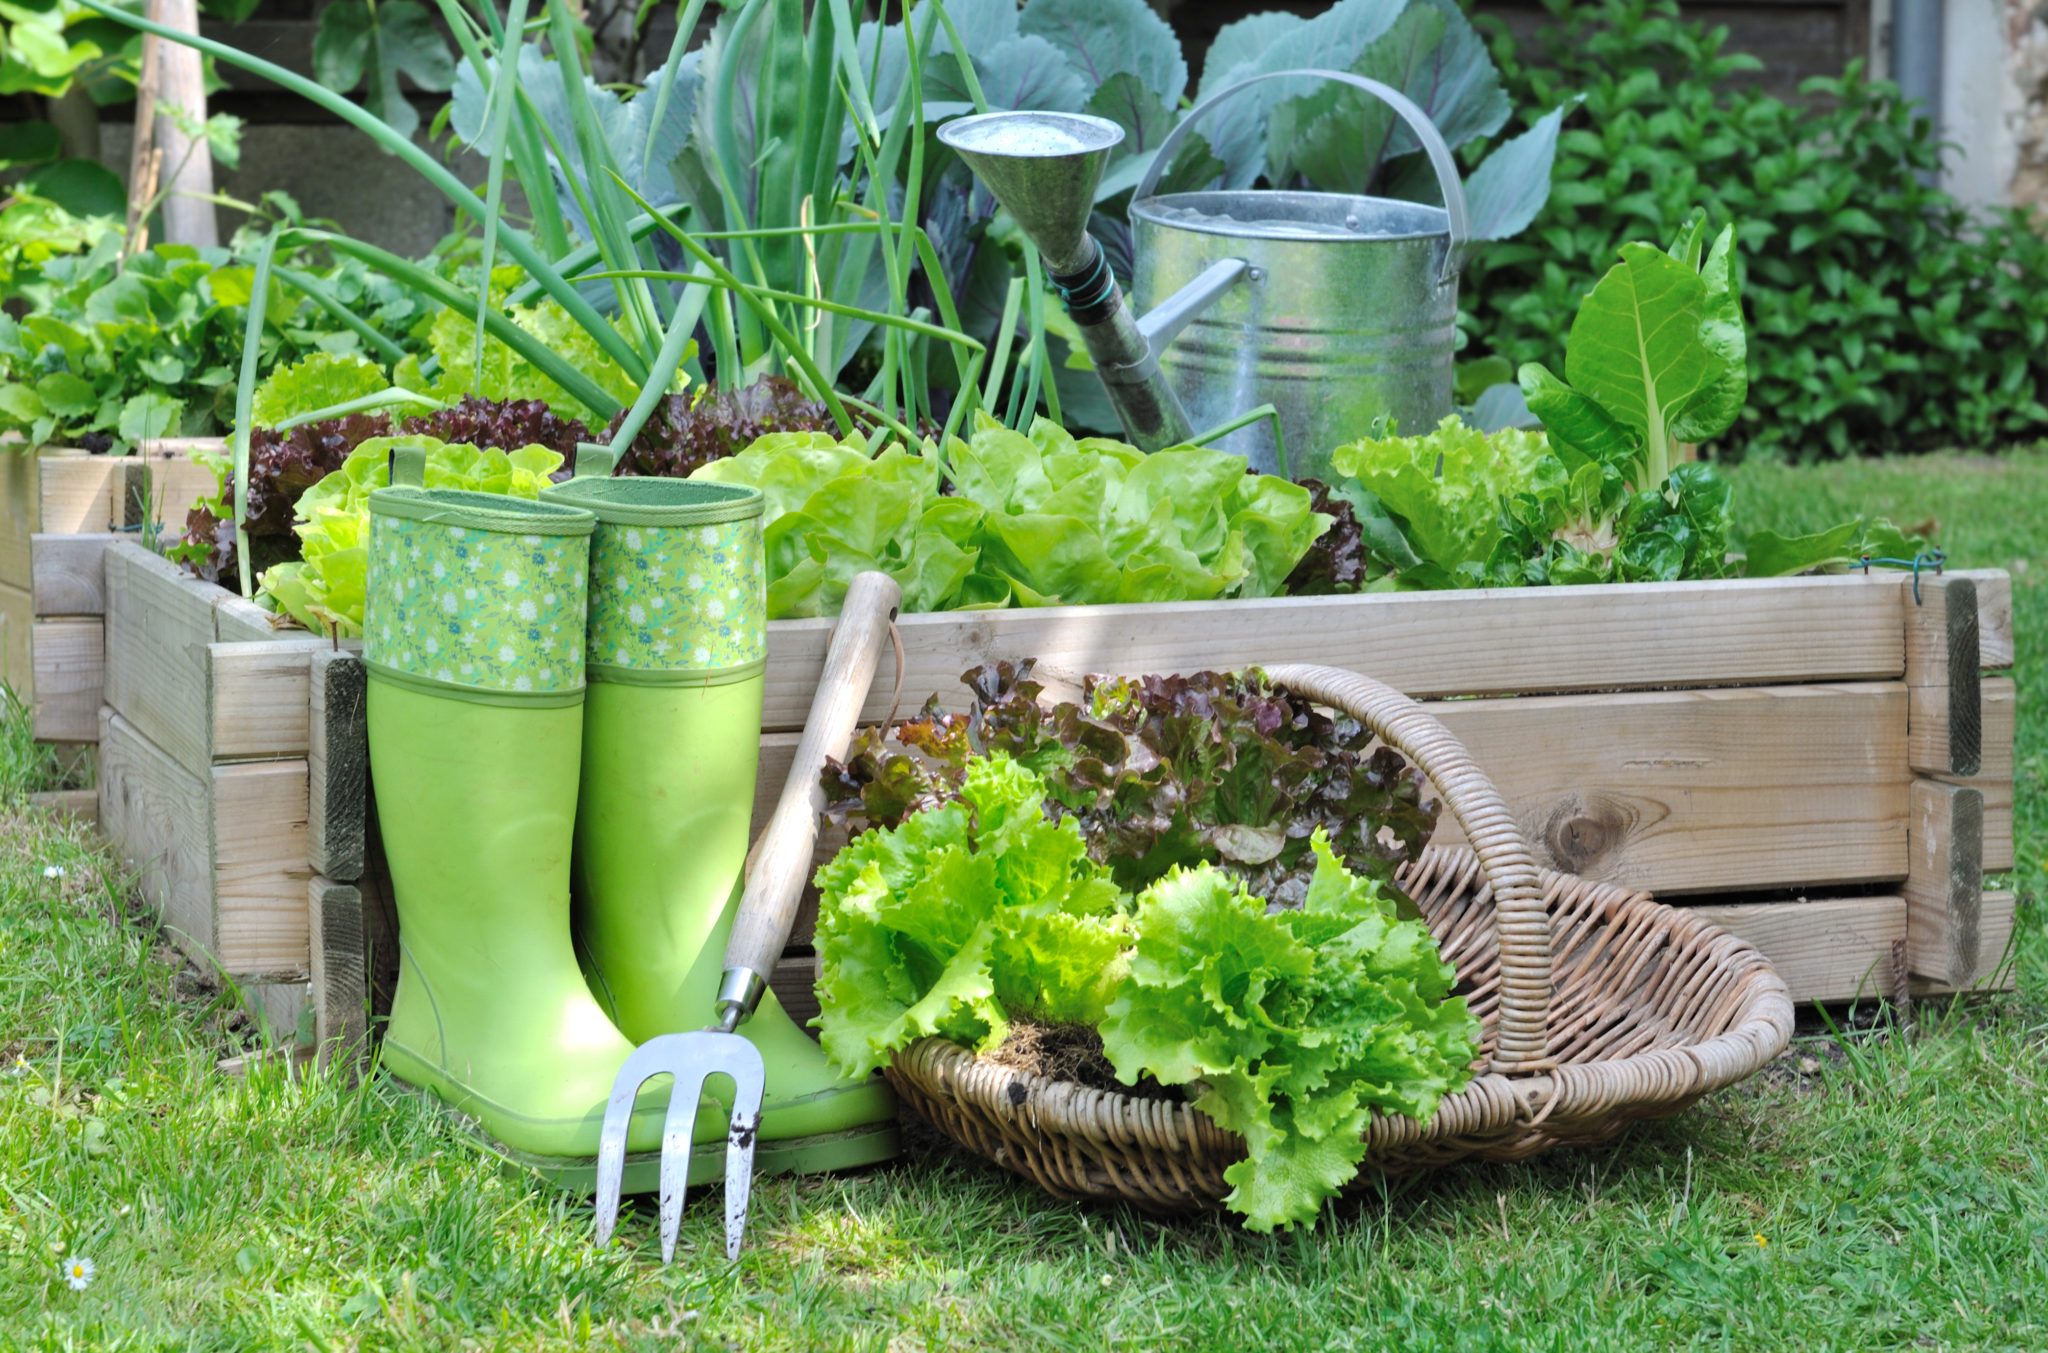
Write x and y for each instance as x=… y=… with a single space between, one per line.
x=1883 y=315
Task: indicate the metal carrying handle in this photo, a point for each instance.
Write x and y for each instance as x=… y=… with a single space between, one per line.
x=1418 y=122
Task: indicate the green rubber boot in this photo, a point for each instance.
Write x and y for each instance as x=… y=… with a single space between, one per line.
x=671 y=746
x=473 y=640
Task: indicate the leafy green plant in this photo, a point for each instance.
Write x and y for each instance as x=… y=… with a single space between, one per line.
x=1882 y=314
x=1290 y=1027
x=1214 y=768
x=112 y=353
x=1656 y=360
x=1033 y=520
x=371 y=43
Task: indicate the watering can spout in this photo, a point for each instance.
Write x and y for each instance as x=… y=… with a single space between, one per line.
x=1044 y=169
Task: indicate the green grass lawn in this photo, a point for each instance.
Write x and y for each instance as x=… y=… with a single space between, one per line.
x=1878 y=1193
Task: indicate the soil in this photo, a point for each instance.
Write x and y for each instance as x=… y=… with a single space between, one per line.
x=1071 y=1052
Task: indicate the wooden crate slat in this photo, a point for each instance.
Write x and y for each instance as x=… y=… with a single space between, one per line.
x=156 y=814
x=1674 y=791
x=17 y=639
x=159 y=483
x=1944 y=887
x=1836 y=949
x=1513 y=641
x=239 y=620
x=1945 y=705
x=61 y=491
x=159 y=625
x=70 y=577
x=260 y=871
x=1997 y=916
x=337 y=765
x=1994 y=778
x=338 y=987
x=70 y=660
x=1994 y=615
x=256 y=698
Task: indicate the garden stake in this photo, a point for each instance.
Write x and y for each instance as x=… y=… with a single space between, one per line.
x=781 y=860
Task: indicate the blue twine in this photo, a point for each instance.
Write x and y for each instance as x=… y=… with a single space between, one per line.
x=1933 y=559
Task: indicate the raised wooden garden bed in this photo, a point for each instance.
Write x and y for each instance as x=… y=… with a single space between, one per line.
x=61 y=491
x=1824 y=763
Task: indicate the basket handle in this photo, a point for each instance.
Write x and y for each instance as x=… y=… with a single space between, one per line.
x=1520 y=919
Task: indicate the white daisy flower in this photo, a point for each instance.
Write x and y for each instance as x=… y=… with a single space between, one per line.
x=632 y=539
x=78 y=1272
x=715 y=609
x=637 y=613
x=53 y=871
x=528 y=611
x=511 y=578
x=710 y=536
x=440 y=569
x=520 y=683
x=448 y=602
x=694 y=581
x=701 y=654
x=433 y=645
x=506 y=654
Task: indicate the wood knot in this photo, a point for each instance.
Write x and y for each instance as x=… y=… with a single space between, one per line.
x=1582 y=829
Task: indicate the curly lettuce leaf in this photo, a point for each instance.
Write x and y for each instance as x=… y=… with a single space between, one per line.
x=959 y=917
x=1037 y=520
x=1300 y=1024
x=316 y=381
x=1446 y=485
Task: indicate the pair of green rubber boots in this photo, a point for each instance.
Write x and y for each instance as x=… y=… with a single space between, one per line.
x=585 y=670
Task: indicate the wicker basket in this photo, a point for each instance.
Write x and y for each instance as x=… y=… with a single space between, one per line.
x=1599 y=1007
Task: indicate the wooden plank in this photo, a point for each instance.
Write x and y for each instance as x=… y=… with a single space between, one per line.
x=1838 y=949
x=1673 y=791
x=1994 y=778
x=1700 y=791
x=338 y=989
x=237 y=620
x=1994 y=615
x=1945 y=710
x=260 y=873
x=337 y=765
x=1995 y=968
x=256 y=699
x=70 y=668
x=17 y=641
x=159 y=625
x=155 y=814
x=158 y=483
x=795 y=984
x=69 y=573
x=58 y=490
x=1944 y=887
x=1485 y=642
x=83 y=804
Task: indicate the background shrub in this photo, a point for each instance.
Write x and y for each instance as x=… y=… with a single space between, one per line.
x=1883 y=315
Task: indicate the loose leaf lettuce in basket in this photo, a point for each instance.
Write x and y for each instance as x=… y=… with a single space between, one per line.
x=1214 y=768
x=1289 y=1027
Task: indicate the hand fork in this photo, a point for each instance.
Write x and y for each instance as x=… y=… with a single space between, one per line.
x=780 y=862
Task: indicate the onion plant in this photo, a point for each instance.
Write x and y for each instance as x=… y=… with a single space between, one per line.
x=812 y=241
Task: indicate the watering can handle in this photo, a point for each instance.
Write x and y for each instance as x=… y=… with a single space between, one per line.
x=1405 y=108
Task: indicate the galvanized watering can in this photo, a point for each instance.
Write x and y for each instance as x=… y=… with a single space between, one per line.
x=1334 y=308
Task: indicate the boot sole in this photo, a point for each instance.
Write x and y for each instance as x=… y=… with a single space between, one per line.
x=823 y=1153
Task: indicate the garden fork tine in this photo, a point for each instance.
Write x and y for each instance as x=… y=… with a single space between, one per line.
x=692 y=1058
